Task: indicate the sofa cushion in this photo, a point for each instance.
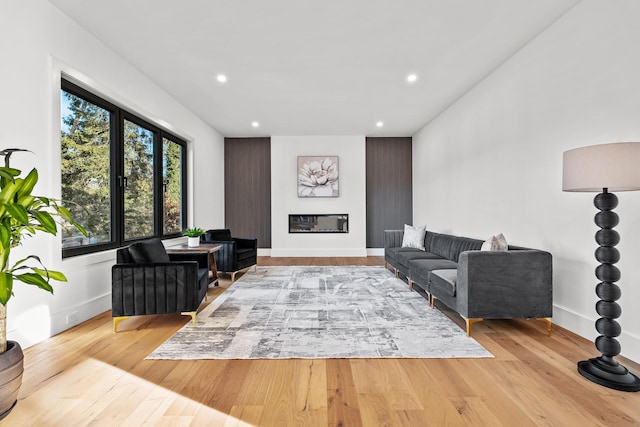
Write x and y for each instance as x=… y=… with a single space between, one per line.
x=461 y=244
x=413 y=237
x=395 y=252
x=123 y=256
x=445 y=280
x=151 y=250
x=406 y=256
x=419 y=269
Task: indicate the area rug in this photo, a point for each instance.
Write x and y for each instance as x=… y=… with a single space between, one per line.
x=319 y=312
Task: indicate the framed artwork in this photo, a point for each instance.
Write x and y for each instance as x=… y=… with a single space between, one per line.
x=318 y=176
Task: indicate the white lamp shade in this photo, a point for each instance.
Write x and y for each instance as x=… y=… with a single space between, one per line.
x=615 y=167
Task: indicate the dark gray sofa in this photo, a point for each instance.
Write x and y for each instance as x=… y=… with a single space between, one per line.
x=515 y=284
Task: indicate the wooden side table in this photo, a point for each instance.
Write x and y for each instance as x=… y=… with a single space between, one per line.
x=209 y=248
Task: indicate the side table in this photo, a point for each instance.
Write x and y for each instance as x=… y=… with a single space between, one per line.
x=209 y=248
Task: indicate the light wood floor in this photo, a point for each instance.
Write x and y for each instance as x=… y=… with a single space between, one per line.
x=89 y=375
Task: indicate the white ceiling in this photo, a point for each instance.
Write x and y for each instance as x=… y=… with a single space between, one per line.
x=328 y=67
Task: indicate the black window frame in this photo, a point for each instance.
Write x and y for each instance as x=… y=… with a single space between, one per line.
x=117 y=187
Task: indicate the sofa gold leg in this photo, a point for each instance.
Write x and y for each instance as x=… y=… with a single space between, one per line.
x=470 y=322
x=117 y=320
x=432 y=301
x=192 y=314
x=410 y=283
x=233 y=276
x=397 y=272
x=548 y=321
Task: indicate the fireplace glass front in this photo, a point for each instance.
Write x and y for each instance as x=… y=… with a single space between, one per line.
x=319 y=223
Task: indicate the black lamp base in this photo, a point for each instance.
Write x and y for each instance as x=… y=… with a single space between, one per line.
x=614 y=376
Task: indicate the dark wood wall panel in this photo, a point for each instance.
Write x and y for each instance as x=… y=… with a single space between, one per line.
x=247 y=188
x=389 y=190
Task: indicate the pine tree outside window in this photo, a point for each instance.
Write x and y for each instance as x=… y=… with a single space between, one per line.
x=122 y=177
x=86 y=169
x=173 y=185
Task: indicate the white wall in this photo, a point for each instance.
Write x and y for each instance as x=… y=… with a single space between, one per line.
x=284 y=196
x=38 y=43
x=492 y=162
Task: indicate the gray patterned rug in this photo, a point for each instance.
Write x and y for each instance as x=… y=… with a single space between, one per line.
x=319 y=312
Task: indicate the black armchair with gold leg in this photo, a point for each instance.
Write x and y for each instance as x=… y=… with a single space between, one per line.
x=235 y=254
x=147 y=280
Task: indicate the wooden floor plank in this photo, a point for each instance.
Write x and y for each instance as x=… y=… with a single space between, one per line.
x=90 y=375
x=256 y=384
x=310 y=378
x=244 y=416
x=486 y=382
x=342 y=398
x=280 y=398
x=386 y=377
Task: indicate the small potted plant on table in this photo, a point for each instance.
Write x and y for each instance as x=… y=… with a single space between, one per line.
x=193 y=235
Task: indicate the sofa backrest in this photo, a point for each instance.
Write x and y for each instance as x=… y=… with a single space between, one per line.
x=219 y=235
x=440 y=244
x=448 y=246
x=428 y=238
x=461 y=244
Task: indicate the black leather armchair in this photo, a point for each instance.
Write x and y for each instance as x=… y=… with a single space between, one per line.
x=235 y=253
x=147 y=280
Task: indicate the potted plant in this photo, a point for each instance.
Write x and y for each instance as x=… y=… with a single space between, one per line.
x=193 y=235
x=21 y=214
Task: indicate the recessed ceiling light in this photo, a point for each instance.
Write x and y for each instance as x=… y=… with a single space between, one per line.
x=221 y=78
x=255 y=124
x=379 y=124
x=411 y=78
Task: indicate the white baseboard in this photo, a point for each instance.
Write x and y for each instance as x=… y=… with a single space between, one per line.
x=370 y=252
x=330 y=252
x=585 y=327
x=375 y=251
x=58 y=322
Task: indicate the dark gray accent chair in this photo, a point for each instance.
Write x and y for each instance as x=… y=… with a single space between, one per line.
x=478 y=285
x=146 y=280
x=235 y=254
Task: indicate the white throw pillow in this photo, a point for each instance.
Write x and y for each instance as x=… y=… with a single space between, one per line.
x=502 y=244
x=488 y=244
x=414 y=237
x=495 y=243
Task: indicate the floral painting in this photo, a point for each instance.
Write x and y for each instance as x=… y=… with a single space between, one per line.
x=318 y=176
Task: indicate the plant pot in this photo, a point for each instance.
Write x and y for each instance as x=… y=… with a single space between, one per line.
x=11 y=368
x=193 y=242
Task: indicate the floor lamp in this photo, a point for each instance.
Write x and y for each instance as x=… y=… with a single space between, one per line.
x=603 y=168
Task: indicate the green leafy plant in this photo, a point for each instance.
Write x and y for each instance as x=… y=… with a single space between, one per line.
x=193 y=232
x=21 y=215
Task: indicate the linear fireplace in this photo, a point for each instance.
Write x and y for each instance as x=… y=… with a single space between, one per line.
x=319 y=223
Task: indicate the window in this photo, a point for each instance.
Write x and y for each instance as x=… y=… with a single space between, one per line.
x=86 y=169
x=123 y=178
x=172 y=191
x=138 y=181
